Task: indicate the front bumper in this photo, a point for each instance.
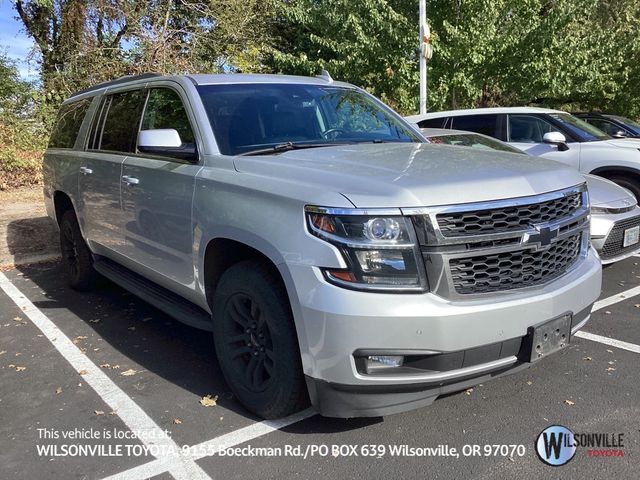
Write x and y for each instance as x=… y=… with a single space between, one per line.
x=336 y=325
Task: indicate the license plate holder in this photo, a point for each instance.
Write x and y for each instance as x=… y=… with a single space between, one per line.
x=631 y=236
x=549 y=337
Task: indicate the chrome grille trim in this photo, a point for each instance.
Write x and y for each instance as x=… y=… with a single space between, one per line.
x=439 y=250
x=507 y=219
x=435 y=235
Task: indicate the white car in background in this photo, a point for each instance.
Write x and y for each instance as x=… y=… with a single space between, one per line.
x=615 y=215
x=550 y=134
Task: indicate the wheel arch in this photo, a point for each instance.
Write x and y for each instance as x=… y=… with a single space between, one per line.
x=61 y=202
x=220 y=253
x=616 y=170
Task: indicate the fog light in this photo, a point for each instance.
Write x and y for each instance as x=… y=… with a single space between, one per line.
x=376 y=362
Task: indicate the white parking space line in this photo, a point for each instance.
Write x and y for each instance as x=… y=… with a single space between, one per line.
x=618 y=297
x=129 y=412
x=605 y=302
x=608 y=341
x=211 y=447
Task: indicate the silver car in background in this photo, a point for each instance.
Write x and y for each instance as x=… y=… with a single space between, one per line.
x=615 y=215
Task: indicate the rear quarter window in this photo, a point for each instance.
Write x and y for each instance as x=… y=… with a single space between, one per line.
x=485 y=124
x=432 y=123
x=68 y=123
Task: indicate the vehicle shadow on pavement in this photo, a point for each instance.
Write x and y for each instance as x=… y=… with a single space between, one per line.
x=29 y=240
x=179 y=354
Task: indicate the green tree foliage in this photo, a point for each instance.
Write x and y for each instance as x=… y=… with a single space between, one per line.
x=565 y=53
x=21 y=137
x=14 y=92
x=83 y=42
x=371 y=43
x=561 y=53
x=78 y=41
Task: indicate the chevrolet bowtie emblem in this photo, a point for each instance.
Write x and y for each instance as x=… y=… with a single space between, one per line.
x=542 y=235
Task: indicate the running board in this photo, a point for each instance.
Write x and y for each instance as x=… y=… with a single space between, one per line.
x=173 y=305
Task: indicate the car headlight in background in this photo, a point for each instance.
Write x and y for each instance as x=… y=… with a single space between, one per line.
x=602 y=210
x=380 y=250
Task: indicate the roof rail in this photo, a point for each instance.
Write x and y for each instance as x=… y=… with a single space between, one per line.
x=117 y=81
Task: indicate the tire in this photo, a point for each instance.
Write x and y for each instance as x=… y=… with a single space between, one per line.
x=76 y=256
x=630 y=184
x=256 y=342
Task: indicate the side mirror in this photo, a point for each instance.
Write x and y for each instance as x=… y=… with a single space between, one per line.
x=620 y=134
x=556 y=138
x=165 y=142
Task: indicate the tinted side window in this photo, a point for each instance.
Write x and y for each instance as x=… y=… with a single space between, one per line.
x=122 y=121
x=528 y=129
x=93 y=141
x=165 y=110
x=432 y=123
x=604 y=125
x=485 y=124
x=68 y=124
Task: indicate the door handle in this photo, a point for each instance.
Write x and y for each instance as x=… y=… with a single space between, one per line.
x=130 y=180
x=85 y=171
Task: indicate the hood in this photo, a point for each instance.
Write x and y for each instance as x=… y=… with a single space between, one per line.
x=624 y=142
x=605 y=193
x=406 y=175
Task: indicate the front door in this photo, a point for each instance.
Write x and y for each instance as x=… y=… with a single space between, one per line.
x=526 y=131
x=157 y=194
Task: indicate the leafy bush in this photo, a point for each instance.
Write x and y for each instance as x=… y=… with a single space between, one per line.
x=22 y=144
x=23 y=129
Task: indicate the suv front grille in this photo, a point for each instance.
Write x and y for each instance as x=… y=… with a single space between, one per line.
x=510 y=218
x=498 y=246
x=613 y=245
x=516 y=269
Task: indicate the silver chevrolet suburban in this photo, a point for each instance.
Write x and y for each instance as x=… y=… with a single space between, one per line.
x=336 y=258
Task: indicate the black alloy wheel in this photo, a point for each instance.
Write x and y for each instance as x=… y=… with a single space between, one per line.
x=256 y=341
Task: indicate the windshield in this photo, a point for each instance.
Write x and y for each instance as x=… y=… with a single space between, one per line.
x=248 y=117
x=581 y=129
x=630 y=124
x=473 y=140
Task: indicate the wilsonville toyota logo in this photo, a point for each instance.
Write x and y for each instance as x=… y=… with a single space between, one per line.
x=556 y=445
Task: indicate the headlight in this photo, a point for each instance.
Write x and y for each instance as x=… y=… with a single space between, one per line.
x=611 y=210
x=380 y=250
x=599 y=210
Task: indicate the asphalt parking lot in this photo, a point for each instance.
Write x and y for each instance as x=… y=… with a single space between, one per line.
x=105 y=364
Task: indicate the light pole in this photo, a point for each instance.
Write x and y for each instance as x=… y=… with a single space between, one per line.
x=425 y=54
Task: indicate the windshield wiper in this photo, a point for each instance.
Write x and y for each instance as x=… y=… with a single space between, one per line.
x=283 y=147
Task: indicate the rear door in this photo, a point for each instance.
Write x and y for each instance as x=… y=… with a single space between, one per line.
x=157 y=194
x=526 y=131
x=111 y=138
